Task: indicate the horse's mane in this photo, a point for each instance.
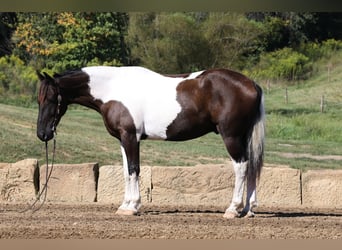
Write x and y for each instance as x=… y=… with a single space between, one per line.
x=67 y=73
x=71 y=79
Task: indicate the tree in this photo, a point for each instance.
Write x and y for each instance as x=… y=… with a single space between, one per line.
x=183 y=42
x=66 y=40
x=8 y=21
x=233 y=40
x=35 y=34
x=166 y=42
x=291 y=29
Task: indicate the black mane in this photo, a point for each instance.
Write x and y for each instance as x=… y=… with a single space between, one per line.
x=67 y=73
x=71 y=79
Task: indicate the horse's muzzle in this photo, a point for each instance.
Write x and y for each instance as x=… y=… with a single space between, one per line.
x=45 y=135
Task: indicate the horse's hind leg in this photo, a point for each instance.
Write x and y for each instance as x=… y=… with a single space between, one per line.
x=237 y=151
x=237 y=200
x=251 y=200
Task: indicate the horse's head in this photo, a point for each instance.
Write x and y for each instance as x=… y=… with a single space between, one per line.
x=51 y=107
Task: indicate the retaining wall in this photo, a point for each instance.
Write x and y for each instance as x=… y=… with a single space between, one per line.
x=279 y=186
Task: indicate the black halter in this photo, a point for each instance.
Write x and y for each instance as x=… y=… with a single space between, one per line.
x=59 y=101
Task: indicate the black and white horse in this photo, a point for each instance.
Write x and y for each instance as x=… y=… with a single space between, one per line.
x=137 y=104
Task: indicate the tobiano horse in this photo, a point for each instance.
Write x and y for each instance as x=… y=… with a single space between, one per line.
x=137 y=104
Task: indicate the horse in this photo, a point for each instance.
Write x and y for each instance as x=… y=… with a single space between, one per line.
x=137 y=104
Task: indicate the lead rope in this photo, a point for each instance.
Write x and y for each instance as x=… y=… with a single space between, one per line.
x=48 y=173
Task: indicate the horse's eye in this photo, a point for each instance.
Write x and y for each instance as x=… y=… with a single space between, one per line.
x=52 y=99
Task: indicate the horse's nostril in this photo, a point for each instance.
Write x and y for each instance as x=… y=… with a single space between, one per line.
x=42 y=136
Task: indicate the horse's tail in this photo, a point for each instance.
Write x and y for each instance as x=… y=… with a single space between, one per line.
x=256 y=140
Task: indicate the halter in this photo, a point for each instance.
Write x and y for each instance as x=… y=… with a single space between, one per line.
x=59 y=100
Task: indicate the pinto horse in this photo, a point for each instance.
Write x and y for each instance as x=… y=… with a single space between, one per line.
x=137 y=104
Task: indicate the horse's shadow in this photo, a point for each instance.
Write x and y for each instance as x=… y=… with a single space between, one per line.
x=262 y=214
x=297 y=214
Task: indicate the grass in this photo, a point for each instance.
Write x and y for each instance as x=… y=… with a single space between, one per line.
x=82 y=137
x=295 y=127
x=299 y=126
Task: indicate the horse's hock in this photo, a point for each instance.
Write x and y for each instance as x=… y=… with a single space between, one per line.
x=279 y=186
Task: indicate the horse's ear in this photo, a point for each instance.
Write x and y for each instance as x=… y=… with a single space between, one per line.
x=40 y=76
x=49 y=78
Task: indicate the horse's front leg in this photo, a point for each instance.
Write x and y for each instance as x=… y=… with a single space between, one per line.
x=131 y=167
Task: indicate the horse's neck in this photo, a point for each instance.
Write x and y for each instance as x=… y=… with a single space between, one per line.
x=86 y=100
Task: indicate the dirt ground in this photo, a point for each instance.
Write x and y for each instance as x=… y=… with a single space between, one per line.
x=96 y=221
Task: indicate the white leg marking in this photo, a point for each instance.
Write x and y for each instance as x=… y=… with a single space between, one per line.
x=237 y=202
x=132 y=200
x=126 y=176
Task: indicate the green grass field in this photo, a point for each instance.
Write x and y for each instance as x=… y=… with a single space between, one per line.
x=297 y=132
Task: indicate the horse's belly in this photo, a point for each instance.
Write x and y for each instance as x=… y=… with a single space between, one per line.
x=157 y=120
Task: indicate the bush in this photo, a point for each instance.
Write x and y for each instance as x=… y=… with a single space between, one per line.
x=316 y=51
x=17 y=79
x=330 y=47
x=284 y=64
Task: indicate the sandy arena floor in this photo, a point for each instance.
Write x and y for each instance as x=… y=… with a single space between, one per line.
x=89 y=221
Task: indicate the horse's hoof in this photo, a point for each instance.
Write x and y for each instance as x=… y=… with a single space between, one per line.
x=250 y=214
x=230 y=215
x=126 y=212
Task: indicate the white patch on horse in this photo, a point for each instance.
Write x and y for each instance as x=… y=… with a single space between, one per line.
x=240 y=170
x=149 y=97
x=132 y=199
x=194 y=75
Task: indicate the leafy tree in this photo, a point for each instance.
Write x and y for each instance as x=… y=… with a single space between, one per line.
x=65 y=40
x=57 y=42
x=183 y=42
x=8 y=21
x=291 y=29
x=328 y=25
x=91 y=38
x=233 y=40
x=166 y=42
x=35 y=34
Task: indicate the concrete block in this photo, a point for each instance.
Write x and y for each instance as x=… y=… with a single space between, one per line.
x=214 y=184
x=19 y=181
x=322 y=188
x=111 y=184
x=200 y=185
x=71 y=182
x=279 y=186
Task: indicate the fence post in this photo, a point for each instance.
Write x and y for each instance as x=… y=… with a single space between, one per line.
x=322 y=103
x=286 y=96
x=329 y=66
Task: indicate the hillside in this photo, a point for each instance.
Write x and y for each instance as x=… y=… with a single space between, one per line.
x=298 y=133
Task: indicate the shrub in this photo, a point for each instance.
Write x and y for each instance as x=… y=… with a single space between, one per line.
x=316 y=51
x=284 y=64
x=17 y=79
